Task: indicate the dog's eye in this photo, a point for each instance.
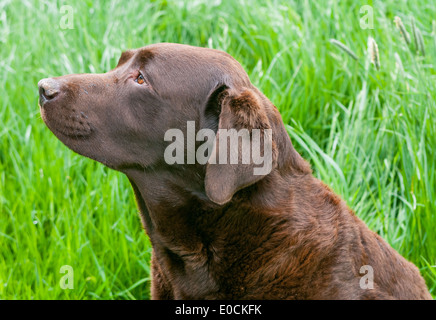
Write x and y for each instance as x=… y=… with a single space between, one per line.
x=140 y=79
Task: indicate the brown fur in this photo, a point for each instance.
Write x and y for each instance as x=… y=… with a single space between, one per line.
x=217 y=231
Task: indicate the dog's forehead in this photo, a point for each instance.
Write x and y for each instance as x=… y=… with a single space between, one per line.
x=125 y=56
x=140 y=56
x=174 y=52
x=183 y=60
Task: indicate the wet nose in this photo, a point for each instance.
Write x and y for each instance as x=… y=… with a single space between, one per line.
x=48 y=89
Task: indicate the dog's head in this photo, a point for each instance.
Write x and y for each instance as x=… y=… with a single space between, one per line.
x=121 y=118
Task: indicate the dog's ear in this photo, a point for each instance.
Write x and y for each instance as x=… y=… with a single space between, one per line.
x=244 y=150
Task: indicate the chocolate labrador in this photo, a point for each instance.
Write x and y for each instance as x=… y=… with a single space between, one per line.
x=220 y=229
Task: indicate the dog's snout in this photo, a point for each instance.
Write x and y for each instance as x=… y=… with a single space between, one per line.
x=48 y=88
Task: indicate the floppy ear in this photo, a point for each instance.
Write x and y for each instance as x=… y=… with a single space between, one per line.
x=244 y=151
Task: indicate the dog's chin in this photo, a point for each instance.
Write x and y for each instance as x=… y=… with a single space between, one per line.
x=77 y=135
x=81 y=141
x=72 y=124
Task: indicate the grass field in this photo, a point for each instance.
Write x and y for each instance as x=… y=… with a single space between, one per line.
x=370 y=135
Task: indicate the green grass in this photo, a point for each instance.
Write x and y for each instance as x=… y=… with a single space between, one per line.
x=371 y=135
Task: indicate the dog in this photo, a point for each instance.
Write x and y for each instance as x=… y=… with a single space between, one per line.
x=218 y=230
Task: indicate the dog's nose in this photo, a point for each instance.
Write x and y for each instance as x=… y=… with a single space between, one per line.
x=48 y=89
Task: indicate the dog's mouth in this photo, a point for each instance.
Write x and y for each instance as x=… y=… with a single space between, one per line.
x=70 y=123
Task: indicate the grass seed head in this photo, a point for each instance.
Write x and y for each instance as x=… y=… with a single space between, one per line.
x=344 y=48
x=402 y=29
x=415 y=36
x=373 y=52
x=421 y=48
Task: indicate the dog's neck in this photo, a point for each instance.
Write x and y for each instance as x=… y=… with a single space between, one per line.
x=177 y=214
x=172 y=204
